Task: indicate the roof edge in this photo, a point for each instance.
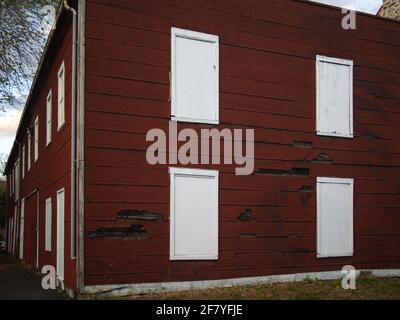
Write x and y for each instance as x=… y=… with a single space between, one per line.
x=49 y=41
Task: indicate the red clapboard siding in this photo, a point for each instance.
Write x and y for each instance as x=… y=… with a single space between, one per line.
x=267 y=83
x=51 y=172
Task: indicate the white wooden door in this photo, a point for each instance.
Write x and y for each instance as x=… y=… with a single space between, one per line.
x=21 y=230
x=60 y=234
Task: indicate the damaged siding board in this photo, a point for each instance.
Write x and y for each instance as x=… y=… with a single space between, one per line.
x=194 y=214
x=334 y=97
x=334 y=217
x=128 y=92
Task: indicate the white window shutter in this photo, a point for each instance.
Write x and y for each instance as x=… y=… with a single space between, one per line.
x=195 y=76
x=334 y=97
x=334 y=217
x=36 y=139
x=61 y=96
x=194 y=214
x=48 y=118
x=48 y=226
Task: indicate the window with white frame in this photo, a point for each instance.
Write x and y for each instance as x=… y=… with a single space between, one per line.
x=36 y=138
x=334 y=217
x=23 y=161
x=13 y=181
x=194 y=76
x=61 y=96
x=334 y=97
x=193 y=214
x=48 y=118
x=17 y=179
x=29 y=149
x=48 y=217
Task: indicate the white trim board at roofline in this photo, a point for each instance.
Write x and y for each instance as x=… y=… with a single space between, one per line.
x=139 y=288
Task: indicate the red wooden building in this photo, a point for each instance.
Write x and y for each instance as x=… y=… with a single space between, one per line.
x=324 y=103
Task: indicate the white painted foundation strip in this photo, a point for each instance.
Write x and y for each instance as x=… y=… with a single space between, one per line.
x=129 y=289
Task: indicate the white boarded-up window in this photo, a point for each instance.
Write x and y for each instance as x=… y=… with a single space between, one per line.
x=48 y=225
x=48 y=118
x=17 y=179
x=334 y=217
x=195 y=76
x=29 y=149
x=23 y=161
x=21 y=230
x=36 y=138
x=194 y=214
x=61 y=96
x=334 y=97
x=12 y=181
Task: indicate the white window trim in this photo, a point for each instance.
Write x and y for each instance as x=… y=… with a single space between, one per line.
x=48 y=226
x=29 y=153
x=60 y=122
x=23 y=161
x=350 y=182
x=197 y=173
x=36 y=140
x=49 y=117
x=321 y=59
x=12 y=182
x=60 y=232
x=22 y=230
x=17 y=179
x=194 y=35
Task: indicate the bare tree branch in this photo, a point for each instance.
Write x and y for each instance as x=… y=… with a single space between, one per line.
x=22 y=38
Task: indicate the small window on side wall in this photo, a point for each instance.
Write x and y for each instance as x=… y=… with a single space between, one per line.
x=194 y=76
x=193 y=214
x=61 y=96
x=334 y=97
x=23 y=162
x=48 y=118
x=29 y=160
x=334 y=217
x=48 y=225
x=36 y=139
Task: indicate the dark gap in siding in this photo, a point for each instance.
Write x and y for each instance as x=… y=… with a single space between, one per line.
x=248 y=235
x=306 y=189
x=370 y=136
x=245 y=215
x=139 y=215
x=297 y=172
x=302 y=144
x=322 y=158
x=134 y=231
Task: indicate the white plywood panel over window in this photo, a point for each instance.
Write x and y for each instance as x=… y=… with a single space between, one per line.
x=61 y=96
x=60 y=234
x=48 y=225
x=36 y=150
x=334 y=97
x=194 y=214
x=334 y=217
x=195 y=76
x=22 y=230
x=48 y=117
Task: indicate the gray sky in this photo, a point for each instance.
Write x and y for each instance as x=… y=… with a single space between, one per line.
x=9 y=120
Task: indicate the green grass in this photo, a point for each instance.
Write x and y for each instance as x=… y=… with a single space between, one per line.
x=368 y=288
